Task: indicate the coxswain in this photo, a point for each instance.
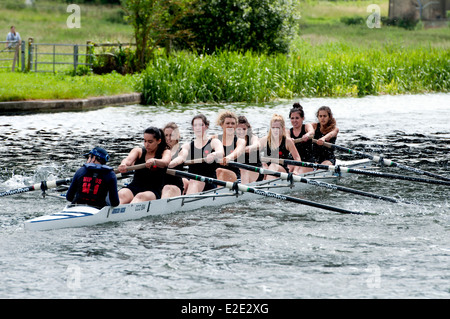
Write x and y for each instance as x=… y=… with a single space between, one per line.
x=94 y=184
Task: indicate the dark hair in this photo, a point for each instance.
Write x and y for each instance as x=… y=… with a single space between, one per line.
x=159 y=135
x=331 y=122
x=243 y=120
x=297 y=108
x=202 y=117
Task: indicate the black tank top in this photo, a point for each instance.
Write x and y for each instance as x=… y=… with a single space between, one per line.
x=304 y=148
x=148 y=178
x=204 y=169
x=252 y=158
x=282 y=150
x=227 y=151
x=323 y=153
x=175 y=180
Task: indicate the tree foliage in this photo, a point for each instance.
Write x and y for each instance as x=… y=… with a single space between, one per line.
x=257 y=25
x=153 y=22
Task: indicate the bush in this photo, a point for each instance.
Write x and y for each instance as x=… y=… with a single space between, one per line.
x=256 y=25
x=122 y=60
x=352 y=20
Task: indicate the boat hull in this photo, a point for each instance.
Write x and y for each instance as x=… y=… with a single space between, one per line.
x=82 y=215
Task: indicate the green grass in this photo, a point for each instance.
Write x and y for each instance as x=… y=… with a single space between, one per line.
x=31 y=86
x=47 y=23
x=327 y=58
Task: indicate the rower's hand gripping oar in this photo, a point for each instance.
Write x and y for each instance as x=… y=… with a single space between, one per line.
x=45 y=185
x=383 y=161
x=244 y=188
x=296 y=178
x=343 y=169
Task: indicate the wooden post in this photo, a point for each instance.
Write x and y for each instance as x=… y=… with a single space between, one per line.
x=75 y=58
x=88 y=51
x=16 y=56
x=30 y=53
x=22 y=52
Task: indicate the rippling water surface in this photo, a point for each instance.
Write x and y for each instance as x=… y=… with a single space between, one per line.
x=258 y=249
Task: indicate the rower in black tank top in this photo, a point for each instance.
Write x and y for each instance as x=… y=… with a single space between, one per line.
x=175 y=180
x=204 y=169
x=250 y=158
x=147 y=179
x=227 y=151
x=305 y=149
x=323 y=153
x=283 y=152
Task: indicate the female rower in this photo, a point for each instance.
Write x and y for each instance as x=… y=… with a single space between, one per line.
x=233 y=147
x=324 y=131
x=301 y=133
x=277 y=145
x=203 y=151
x=147 y=183
x=173 y=185
x=251 y=154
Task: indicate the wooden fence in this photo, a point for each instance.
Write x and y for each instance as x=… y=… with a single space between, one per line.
x=52 y=57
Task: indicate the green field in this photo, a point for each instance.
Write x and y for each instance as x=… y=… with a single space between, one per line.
x=327 y=58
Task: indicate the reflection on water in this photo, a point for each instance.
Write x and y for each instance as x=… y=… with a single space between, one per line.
x=258 y=249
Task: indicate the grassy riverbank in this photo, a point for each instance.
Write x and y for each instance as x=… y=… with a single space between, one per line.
x=327 y=58
x=32 y=86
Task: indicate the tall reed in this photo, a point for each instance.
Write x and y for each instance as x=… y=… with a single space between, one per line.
x=334 y=72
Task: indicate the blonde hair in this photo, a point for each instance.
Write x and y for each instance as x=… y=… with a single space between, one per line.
x=225 y=114
x=276 y=118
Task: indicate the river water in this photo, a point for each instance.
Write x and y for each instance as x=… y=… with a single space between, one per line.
x=261 y=249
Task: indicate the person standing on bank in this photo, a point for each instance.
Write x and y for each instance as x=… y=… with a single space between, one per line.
x=13 y=38
x=324 y=131
x=147 y=183
x=94 y=184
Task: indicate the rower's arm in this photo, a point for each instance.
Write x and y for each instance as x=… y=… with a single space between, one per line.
x=181 y=158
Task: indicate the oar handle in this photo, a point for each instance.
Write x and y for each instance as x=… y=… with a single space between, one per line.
x=195 y=161
x=326 y=144
x=300 y=139
x=131 y=168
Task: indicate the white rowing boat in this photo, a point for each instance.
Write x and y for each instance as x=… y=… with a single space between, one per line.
x=82 y=215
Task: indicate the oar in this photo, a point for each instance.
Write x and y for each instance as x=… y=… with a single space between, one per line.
x=244 y=188
x=44 y=185
x=381 y=160
x=343 y=169
x=296 y=178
